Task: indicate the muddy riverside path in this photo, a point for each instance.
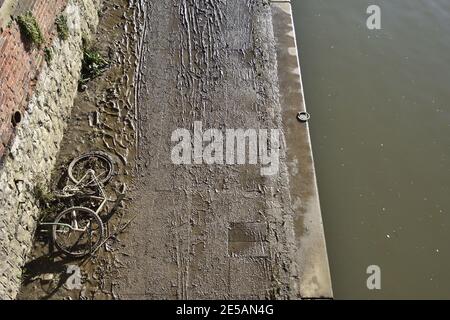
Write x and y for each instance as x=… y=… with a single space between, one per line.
x=207 y=231
x=193 y=230
x=197 y=230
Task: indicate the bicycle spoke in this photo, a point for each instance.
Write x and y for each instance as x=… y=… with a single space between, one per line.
x=99 y=162
x=85 y=234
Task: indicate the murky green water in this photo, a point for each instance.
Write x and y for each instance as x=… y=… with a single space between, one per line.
x=380 y=105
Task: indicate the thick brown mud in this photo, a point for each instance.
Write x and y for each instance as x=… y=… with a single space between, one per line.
x=207 y=231
x=197 y=231
x=103 y=118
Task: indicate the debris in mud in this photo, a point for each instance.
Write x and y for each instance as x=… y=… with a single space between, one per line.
x=114 y=236
x=46 y=201
x=47 y=277
x=43 y=196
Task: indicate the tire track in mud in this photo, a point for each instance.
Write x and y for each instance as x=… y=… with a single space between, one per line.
x=206 y=231
x=201 y=232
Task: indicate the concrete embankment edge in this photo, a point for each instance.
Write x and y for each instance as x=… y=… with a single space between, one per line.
x=314 y=280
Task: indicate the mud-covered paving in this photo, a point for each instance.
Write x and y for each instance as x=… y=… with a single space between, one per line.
x=207 y=231
x=103 y=118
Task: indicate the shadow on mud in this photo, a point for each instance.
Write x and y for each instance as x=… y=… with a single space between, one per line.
x=53 y=263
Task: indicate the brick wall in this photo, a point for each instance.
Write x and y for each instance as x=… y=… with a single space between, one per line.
x=20 y=66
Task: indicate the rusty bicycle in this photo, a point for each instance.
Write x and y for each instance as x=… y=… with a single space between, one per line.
x=78 y=231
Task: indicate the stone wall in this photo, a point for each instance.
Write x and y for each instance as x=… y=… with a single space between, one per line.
x=20 y=62
x=32 y=153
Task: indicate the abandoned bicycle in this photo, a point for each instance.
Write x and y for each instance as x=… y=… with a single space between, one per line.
x=78 y=231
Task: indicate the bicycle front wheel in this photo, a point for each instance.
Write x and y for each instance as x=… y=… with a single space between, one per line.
x=77 y=231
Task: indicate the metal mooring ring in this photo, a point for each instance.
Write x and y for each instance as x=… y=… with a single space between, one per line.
x=303 y=116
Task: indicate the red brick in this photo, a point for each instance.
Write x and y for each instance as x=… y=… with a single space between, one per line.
x=18 y=67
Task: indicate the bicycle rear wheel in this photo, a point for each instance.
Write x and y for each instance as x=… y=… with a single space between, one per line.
x=99 y=161
x=77 y=231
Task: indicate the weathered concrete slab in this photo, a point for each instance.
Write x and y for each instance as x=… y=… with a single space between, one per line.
x=311 y=255
x=207 y=231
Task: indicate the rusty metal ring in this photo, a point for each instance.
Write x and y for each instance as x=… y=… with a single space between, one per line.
x=303 y=116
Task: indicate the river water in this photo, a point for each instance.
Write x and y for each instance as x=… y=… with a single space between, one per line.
x=380 y=127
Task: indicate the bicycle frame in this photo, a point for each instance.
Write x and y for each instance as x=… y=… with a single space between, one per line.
x=104 y=199
x=71 y=190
